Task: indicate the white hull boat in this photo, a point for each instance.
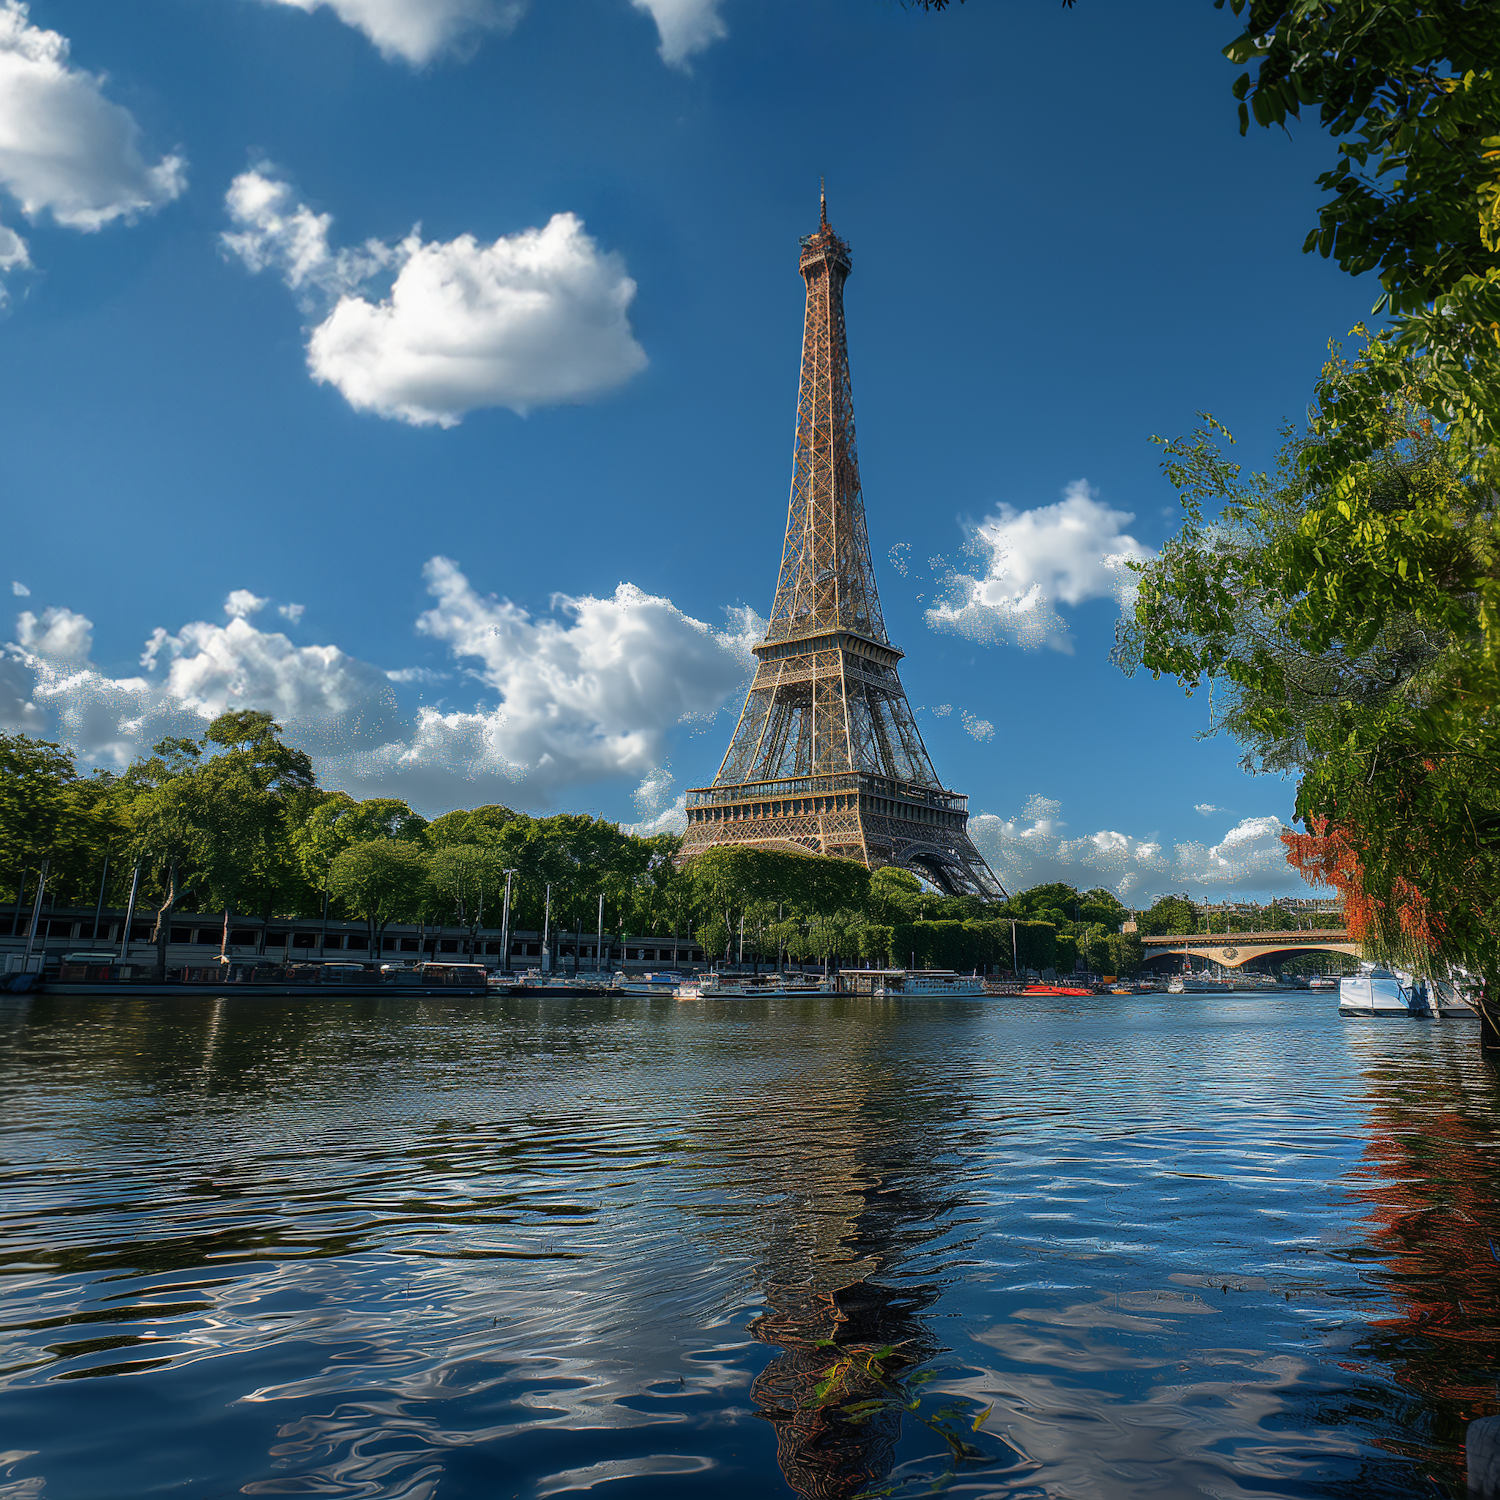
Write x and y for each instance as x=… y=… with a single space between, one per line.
x=1379 y=992
x=1195 y=984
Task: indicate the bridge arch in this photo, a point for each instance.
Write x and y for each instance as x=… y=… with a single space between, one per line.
x=1235 y=950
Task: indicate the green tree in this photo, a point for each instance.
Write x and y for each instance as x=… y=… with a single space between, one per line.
x=339 y=821
x=478 y=825
x=381 y=881
x=469 y=877
x=1351 y=633
x=1168 y=916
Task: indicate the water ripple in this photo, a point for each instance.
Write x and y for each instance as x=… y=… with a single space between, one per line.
x=833 y=1248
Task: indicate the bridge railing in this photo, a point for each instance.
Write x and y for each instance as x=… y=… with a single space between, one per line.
x=1240 y=939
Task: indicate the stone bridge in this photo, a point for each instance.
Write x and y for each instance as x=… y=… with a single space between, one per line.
x=1233 y=950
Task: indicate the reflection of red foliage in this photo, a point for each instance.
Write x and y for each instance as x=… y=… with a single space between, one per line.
x=1327 y=856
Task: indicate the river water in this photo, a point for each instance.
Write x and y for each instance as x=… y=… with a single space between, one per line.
x=1150 y=1247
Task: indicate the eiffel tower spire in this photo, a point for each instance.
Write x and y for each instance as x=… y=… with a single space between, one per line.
x=827 y=756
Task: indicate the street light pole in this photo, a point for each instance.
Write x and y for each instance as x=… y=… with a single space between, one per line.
x=36 y=913
x=99 y=905
x=505 y=923
x=546 y=932
x=135 y=883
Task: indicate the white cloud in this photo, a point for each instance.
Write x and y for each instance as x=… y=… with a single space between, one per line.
x=65 y=150
x=1064 y=553
x=1206 y=808
x=241 y=604
x=20 y=590
x=1032 y=848
x=59 y=636
x=655 y=788
x=292 y=612
x=671 y=819
x=328 y=700
x=537 y=318
x=418 y=30
x=588 y=695
x=981 y=729
x=417 y=676
x=685 y=27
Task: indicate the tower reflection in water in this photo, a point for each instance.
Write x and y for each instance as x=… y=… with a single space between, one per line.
x=853 y=1252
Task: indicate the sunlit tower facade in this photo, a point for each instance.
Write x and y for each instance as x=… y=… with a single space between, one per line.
x=827 y=756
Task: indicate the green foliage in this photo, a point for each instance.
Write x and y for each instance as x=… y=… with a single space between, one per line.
x=1171 y=915
x=381 y=881
x=1409 y=88
x=1350 y=631
x=479 y=825
x=47 y=811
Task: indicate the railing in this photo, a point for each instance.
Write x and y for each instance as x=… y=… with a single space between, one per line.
x=1219 y=939
x=820 y=786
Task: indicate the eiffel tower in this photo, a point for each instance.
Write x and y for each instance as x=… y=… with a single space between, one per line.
x=827 y=756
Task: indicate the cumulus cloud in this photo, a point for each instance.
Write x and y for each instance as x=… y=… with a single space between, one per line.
x=58 y=636
x=1035 y=560
x=292 y=612
x=417 y=676
x=685 y=27
x=536 y=318
x=586 y=695
x=1034 y=847
x=241 y=604
x=1206 y=808
x=417 y=31
x=672 y=819
x=981 y=729
x=65 y=150
x=329 y=700
x=20 y=590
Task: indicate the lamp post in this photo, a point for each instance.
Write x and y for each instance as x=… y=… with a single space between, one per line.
x=505 y=923
x=135 y=884
x=99 y=905
x=599 y=941
x=547 y=932
x=36 y=912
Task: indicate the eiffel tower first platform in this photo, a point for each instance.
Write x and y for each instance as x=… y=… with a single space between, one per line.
x=827 y=756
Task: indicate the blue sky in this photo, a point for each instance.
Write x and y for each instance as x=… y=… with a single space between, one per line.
x=425 y=370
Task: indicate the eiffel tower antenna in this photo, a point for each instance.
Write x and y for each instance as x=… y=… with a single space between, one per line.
x=827 y=756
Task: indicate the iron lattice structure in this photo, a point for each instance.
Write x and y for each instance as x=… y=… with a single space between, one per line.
x=827 y=756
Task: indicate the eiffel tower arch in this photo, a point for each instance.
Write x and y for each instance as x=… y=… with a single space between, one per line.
x=827 y=756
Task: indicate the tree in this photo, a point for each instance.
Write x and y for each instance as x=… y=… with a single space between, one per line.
x=467 y=876
x=48 y=811
x=380 y=880
x=1410 y=88
x=1350 y=632
x=478 y=825
x=1170 y=916
x=339 y=822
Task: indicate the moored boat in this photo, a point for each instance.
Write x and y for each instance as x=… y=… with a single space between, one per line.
x=1196 y=984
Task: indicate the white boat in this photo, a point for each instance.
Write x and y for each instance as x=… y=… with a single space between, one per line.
x=659 y=982
x=925 y=984
x=1196 y=984
x=716 y=986
x=1383 y=992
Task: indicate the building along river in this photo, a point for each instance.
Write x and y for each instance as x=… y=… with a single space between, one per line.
x=1126 y=1247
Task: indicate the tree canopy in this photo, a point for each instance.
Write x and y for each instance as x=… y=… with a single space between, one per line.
x=1350 y=632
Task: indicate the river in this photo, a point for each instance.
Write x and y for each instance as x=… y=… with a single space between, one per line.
x=1131 y=1247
